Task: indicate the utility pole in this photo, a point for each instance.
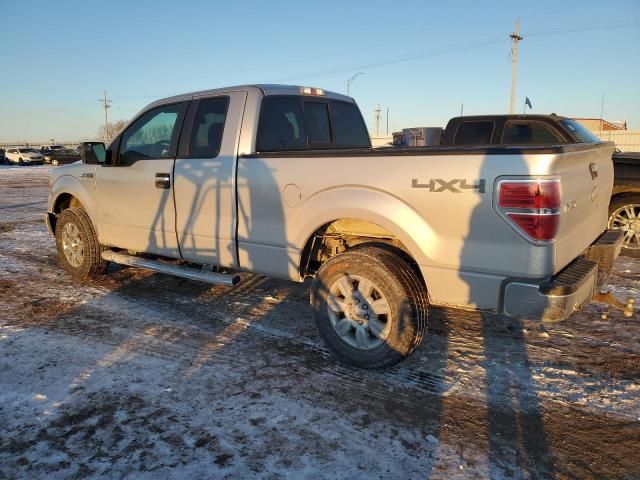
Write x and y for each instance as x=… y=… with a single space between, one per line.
x=515 y=39
x=387 y=120
x=106 y=104
x=378 y=118
x=462 y=108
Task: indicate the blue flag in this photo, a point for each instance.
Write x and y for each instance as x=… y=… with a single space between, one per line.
x=527 y=102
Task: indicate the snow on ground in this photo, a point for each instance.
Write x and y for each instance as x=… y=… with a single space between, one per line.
x=140 y=375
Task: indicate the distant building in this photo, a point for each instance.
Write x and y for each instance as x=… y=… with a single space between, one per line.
x=599 y=125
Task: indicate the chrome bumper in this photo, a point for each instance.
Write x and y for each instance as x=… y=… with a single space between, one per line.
x=570 y=289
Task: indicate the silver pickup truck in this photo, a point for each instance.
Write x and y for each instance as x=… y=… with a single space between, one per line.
x=282 y=180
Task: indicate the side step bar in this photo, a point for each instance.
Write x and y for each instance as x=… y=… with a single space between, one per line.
x=176 y=270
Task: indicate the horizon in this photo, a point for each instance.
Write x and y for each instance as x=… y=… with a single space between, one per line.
x=419 y=61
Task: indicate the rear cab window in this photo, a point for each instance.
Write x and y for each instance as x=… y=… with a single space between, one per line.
x=525 y=132
x=301 y=123
x=474 y=133
x=579 y=132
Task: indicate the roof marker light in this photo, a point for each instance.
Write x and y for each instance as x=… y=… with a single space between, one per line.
x=311 y=91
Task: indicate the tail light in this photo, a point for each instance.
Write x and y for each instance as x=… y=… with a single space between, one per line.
x=532 y=206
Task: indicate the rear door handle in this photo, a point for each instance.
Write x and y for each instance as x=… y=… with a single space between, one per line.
x=163 y=180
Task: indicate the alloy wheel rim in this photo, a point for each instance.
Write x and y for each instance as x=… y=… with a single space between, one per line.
x=627 y=219
x=72 y=245
x=359 y=312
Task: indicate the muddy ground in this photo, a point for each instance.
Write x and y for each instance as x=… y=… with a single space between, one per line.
x=141 y=375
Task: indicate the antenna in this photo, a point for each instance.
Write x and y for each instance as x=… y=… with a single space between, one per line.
x=106 y=104
x=515 y=39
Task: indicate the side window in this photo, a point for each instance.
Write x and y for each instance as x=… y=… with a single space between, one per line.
x=317 y=116
x=349 y=129
x=281 y=125
x=150 y=135
x=474 y=133
x=208 y=126
x=528 y=133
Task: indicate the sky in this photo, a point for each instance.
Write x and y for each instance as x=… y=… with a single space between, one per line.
x=419 y=59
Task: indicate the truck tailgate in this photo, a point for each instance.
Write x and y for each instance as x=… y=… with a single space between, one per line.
x=586 y=174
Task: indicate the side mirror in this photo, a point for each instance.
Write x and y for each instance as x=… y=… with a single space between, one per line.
x=95 y=153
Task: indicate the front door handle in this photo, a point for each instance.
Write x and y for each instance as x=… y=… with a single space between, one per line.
x=163 y=180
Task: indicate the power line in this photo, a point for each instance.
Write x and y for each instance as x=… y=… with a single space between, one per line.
x=465 y=46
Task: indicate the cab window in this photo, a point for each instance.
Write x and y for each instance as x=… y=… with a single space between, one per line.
x=528 y=133
x=150 y=136
x=474 y=133
x=318 y=128
x=299 y=123
x=206 y=136
x=281 y=125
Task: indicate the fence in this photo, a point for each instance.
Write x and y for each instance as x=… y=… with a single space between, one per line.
x=625 y=140
x=36 y=145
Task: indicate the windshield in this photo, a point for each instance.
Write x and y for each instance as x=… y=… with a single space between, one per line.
x=25 y=150
x=579 y=131
x=56 y=147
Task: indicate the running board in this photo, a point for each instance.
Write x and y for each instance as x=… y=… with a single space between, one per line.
x=170 y=269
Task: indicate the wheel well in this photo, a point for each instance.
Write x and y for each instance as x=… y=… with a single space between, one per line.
x=624 y=191
x=343 y=234
x=64 y=201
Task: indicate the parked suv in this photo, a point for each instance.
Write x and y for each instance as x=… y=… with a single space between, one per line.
x=23 y=156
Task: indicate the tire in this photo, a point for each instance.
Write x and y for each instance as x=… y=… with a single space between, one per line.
x=84 y=262
x=20 y=162
x=55 y=162
x=624 y=214
x=384 y=285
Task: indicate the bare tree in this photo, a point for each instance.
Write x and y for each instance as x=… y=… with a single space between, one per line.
x=112 y=128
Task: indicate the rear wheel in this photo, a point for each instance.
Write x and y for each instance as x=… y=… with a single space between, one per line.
x=369 y=307
x=77 y=243
x=624 y=214
x=20 y=161
x=55 y=162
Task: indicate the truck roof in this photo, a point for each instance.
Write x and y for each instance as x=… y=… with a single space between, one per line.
x=264 y=88
x=552 y=117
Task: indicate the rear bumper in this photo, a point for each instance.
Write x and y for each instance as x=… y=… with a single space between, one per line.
x=570 y=289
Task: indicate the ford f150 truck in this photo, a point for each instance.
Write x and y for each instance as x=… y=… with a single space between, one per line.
x=282 y=181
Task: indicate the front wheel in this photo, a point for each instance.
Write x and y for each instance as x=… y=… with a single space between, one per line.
x=78 y=248
x=54 y=162
x=369 y=307
x=624 y=214
x=20 y=162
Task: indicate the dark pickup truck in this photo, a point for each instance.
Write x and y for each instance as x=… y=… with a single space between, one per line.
x=518 y=130
x=624 y=209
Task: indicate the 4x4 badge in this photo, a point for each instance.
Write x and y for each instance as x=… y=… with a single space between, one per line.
x=437 y=185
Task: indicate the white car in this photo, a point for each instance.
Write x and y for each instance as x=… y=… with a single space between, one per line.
x=23 y=156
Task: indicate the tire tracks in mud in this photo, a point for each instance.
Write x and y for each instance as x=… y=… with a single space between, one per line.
x=203 y=329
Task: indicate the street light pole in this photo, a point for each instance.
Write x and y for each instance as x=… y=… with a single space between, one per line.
x=351 y=80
